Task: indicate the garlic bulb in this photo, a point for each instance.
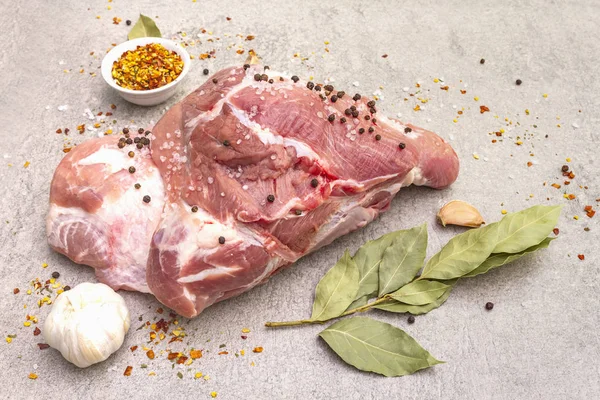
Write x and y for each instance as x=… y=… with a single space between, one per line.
x=87 y=323
x=460 y=213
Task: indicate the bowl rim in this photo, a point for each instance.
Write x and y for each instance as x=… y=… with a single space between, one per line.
x=106 y=66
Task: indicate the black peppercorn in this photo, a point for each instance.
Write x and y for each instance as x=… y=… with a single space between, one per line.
x=482 y=61
x=141 y=130
x=373 y=110
x=355 y=113
x=334 y=98
x=341 y=94
x=125 y=130
x=295 y=78
x=66 y=288
x=356 y=97
x=129 y=141
x=343 y=120
x=136 y=140
x=121 y=145
x=407 y=130
x=361 y=130
x=371 y=103
x=329 y=88
x=131 y=169
x=226 y=143
x=131 y=154
x=246 y=66
x=353 y=108
x=518 y=82
x=146 y=199
x=205 y=71
x=411 y=319
x=128 y=22
x=270 y=198
x=318 y=88
x=215 y=80
x=145 y=141
x=489 y=305
x=257 y=77
x=377 y=137
x=371 y=129
x=271 y=81
x=139 y=145
x=367 y=117
x=310 y=85
x=565 y=168
x=195 y=209
x=264 y=77
x=402 y=146
x=147 y=133
x=347 y=111
x=331 y=118
x=314 y=182
x=221 y=240
x=55 y=275
x=137 y=186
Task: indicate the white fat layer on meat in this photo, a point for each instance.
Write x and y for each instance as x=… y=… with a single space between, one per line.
x=414 y=177
x=397 y=125
x=114 y=159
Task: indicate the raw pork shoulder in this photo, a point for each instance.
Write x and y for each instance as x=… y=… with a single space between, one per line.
x=244 y=176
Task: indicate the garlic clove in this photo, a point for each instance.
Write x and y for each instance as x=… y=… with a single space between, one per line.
x=460 y=213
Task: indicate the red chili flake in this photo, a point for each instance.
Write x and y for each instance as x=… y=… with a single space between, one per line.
x=150 y=354
x=590 y=214
x=567 y=182
x=172 y=356
x=113 y=106
x=181 y=359
x=16 y=290
x=43 y=346
x=529 y=163
x=59 y=130
x=571 y=196
x=556 y=231
x=571 y=175
x=587 y=208
x=555 y=185
x=581 y=257
x=483 y=109
x=108 y=114
x=244 y=337
x=128 y=370
x=463 y=91
x=195 y=354
x=223 y=353
x=228 y=18
x=172 y=315
x=384 y=56
x=67 y=130
x=250 y=37
x=258 y=349
x=159 y=310
x=133 y=348
x=445 y=88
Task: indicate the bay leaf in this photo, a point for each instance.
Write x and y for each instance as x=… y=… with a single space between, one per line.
x=375 y=346
x=398 y=307
x=144 y=27
x=419 y=293
x=361 y=301
x=368 y=258
x=462 y=254
x=523 y=229
x=402 y=259
x=500 y=259
x=336 y=290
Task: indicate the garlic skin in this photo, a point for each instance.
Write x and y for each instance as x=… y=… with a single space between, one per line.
x=460 y=213
x=87 y=323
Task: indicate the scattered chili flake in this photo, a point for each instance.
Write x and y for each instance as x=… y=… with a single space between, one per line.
x=445 y=88
x=529 y=163
x=172 y=356
x=463 y=91
x=384 y=56
x=128 y=370
x=59 y=130
x=483 y=109
x=257 y=350
x=221 y=353
x=591 y=213
x=581 y=257
x=555 y=185
x=147 y=67
x=43 y=346
x=150 y=354
x=133 y=348
x=32 y=376
x=250 y=37
x=36 y=331
x=194 y=354
x=181 y=359
x=244 y=337
x=16 y=290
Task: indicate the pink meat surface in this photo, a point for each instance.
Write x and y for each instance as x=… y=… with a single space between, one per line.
x=245 y=176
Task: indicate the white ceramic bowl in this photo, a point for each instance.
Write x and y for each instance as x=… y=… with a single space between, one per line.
x=144 y=97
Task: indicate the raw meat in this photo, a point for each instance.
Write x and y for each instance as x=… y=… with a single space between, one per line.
x=246 y=176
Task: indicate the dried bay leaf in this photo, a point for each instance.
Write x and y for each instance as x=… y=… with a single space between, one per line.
x=523 y=229
x=144 y=27
x=500 y=259
x=398 y=307
x=419 y=293
x=462 y=254
x=375 y=346
x=368 y=259
x=402 y=259
x=336 y=290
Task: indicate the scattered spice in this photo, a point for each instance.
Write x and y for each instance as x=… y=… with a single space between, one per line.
x=43 y=346
x=147 y=67
x=270 y=198
x=411 y=319
x=150 y=354
x=581 y=257
x=128 y=370
x=146 y=199
x=16 y=290
x=32 y=376
x=483 y=109
x=195 y=354
x=257 y=350
x=556 y=231
x=482 y=61
x=489 y=305
x=518 y=82
x=402 y=146
x=314 y=183
x=221 y=240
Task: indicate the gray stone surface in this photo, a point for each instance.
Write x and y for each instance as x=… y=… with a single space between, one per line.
x=541 y=340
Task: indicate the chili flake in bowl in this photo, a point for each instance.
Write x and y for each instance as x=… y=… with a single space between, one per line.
x=146 y=71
